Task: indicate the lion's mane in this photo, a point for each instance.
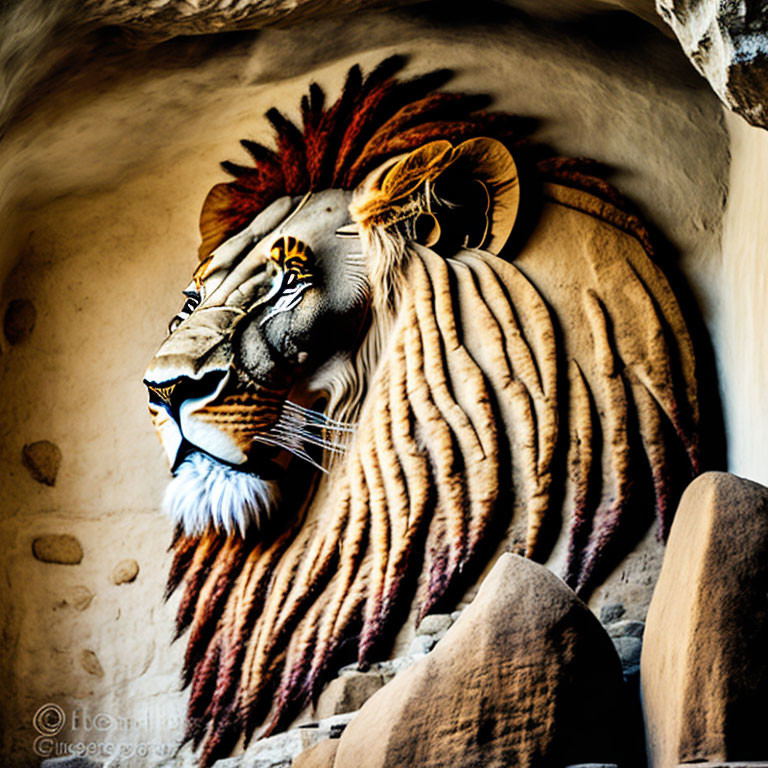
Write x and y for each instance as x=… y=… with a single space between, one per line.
x=479 y=419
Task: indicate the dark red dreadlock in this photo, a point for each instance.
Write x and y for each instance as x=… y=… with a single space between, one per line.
x=375 y=118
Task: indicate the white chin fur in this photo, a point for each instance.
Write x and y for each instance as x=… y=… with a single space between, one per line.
x=205 y=492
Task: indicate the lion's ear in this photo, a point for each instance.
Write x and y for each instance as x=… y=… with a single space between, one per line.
x=464 y=196
x=479 y=192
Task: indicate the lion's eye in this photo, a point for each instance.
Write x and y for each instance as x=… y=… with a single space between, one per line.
x=190 y=305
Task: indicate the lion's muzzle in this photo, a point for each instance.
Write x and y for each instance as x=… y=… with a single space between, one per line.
x=195 y=401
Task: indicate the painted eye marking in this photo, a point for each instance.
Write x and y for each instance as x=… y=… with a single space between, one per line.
x=190 y=305
x=293 y=266
x=164 y=393
x=289 y=271
x=294 y=258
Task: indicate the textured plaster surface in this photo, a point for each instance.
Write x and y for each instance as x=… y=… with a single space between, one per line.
x=39 y=36
x=740 y=338
x=104 y=179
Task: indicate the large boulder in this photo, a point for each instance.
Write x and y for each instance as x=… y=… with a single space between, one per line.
x=704 y=667
x=526 y=676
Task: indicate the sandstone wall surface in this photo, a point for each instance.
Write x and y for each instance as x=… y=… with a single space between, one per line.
x=103 y=180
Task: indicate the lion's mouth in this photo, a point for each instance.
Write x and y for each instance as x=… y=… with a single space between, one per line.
x=266 y=461
x=245 y=438
x=236 y=492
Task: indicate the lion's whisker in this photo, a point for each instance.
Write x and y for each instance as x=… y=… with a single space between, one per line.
x=296 y=450
x=329 y=427
x=312 y=439
x=294 y=431
x=316 y=418
x=303 y=437
x=297 y=432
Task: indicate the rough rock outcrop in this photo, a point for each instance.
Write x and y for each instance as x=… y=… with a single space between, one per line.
x=347 y=693
x=704 y=668
x=525 y=676
x=283 y=749
x=70 y=762
x=728 y=43
x=627 y=639
x=42 y=460
x=59 y=548
x=430 y=630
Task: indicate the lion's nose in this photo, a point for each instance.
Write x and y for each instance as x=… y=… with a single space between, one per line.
x=162 y=393
x=172 y=392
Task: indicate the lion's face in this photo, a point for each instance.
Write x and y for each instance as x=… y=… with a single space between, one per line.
x=266 y=318
x=275 y=315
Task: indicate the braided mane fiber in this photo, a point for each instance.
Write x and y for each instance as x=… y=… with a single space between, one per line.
x=482 y=420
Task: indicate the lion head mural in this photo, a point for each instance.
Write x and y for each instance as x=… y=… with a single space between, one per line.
x=413 y=338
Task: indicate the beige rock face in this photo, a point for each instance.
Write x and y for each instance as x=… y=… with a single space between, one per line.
x=100 y=653
x=704 y=668
x=742 y=314
x=526 y=676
